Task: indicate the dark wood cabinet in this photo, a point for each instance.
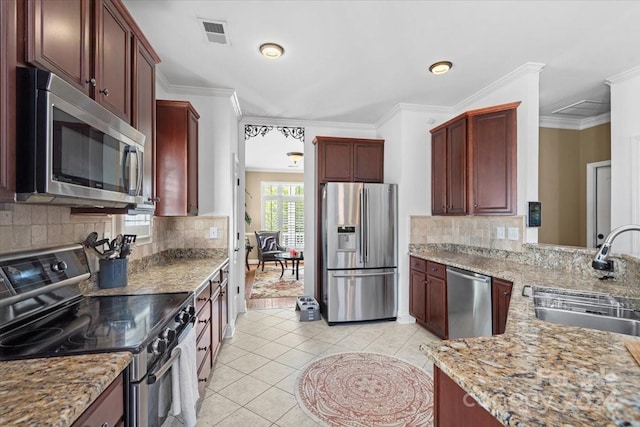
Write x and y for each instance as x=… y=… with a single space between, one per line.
x=176 y=158
x=473 y=163
x=349 y=159
x=66 y=53
x=144 y=111
x=501 y=297
x=449 y=169
x=453 y=407
x=493 y=141
x=428 y=295
x=112 y=64
x=8 y=19
x=107 y=409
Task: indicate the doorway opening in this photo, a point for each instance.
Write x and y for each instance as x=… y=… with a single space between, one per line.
x=598 y=202
x=274 y=206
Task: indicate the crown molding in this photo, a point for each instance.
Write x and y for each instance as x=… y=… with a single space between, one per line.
x=523 y=70
x=574 y=124
x=621 y=77
x=415 y=108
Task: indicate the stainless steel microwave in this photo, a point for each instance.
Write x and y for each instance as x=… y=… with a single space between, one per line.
x=70 y=150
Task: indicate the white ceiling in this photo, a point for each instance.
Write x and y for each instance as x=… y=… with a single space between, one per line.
x=353 y=61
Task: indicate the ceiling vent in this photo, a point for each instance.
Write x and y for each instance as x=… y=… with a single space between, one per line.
x=215 y=31
x=584 y=108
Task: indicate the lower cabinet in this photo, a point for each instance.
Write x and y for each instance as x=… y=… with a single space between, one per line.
x=453 y=407
x=428 y=297
x=108 y=408
x=428 y=300
x=501 y=297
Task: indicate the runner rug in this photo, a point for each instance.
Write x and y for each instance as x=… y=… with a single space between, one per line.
x=268 y=284
x=366 y=389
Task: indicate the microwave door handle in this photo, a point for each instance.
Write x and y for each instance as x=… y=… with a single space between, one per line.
x=139 y=166
x=132 y=190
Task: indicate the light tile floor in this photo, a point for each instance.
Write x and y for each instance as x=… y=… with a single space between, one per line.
x=255 y=373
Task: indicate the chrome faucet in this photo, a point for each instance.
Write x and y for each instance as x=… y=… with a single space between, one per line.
x=601 y=262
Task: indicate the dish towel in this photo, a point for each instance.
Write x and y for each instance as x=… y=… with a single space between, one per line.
x=184 y=379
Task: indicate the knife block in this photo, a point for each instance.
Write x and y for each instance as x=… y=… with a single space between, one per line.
x=113 y=273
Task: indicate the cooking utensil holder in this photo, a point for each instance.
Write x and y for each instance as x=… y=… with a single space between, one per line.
x=113 y=273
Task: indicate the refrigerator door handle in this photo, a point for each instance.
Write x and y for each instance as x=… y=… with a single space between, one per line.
x=366 y=225
x=346 y=276
x=362 y=226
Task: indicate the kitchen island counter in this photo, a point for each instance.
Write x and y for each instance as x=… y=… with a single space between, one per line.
x=55 y=391
x=539 y=373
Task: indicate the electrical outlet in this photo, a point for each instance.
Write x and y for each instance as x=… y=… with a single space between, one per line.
x=514 y=233
x=500 y=233
x=213 y=232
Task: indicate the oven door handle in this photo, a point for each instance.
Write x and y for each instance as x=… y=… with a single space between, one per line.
x=152 y=378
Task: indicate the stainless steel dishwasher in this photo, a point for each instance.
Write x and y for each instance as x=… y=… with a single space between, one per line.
x=468 y=303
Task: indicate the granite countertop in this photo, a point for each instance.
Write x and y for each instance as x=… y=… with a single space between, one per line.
x=55 y=391
x=539 y=373
x=173 y=275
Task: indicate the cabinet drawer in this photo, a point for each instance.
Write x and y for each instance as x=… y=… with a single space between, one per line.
x=203 y=373
x=108 y=409
x=203 y=297
x=418 y=264
x=203 y=347
x=437 y=270
x=204 y=319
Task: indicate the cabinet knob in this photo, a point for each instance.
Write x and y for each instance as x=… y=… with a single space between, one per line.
x=105 y=92
x=202 y=380
x=105 y=425
x=475 y=205
x=443 y=207
x=92 y=82
x=204 y=321
x=202 y=348
x=506 y=294
x=202 y=299
x=153 y=199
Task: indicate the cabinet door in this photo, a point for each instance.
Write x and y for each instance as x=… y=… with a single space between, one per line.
x=417 y=287
x=453 y=407
x=144 y=113
x=368 y=162
x=439 y=172
x=436 y=313
x=457 y=168
x=335 y=160
x=59 y=39
x=493 y=141
x=501 y=297
x=7 y=99
x=215 y=327
x=192 y=165
x=107 y=409
x=113 y=61
x=223 y=310
x=171 y=160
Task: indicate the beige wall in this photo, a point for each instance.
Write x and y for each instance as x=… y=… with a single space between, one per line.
x=253 y=185
x=564 y=155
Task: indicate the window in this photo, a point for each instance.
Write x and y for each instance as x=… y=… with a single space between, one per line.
x=139 y=225
x=283 y=210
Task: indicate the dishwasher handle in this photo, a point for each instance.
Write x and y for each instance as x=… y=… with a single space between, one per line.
x=470 y=275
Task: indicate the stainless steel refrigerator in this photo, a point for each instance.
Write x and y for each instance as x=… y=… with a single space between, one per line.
x=360 y=251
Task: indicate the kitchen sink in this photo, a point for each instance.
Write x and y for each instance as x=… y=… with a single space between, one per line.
x=590 y=310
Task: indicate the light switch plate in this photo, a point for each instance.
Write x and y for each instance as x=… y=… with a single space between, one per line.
x=513 y=233
x=213 y=232
x=500 y=233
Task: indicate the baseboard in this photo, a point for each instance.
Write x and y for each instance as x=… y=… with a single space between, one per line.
x=405 y=319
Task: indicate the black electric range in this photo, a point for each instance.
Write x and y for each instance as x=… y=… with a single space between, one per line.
x=43 y=313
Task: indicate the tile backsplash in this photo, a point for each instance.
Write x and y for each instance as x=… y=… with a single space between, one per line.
x=479 y=231
x=26 y=227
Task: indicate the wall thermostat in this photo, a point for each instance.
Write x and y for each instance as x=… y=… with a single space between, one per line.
x=534 y=216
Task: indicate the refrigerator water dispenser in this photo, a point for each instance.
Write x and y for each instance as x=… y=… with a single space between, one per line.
x=346 y=238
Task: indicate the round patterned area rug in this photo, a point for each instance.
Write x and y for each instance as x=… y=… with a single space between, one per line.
x=366 y=389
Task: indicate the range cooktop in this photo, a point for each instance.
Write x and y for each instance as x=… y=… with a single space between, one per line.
x=93 y=325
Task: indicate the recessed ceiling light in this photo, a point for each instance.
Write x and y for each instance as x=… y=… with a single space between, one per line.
x=271 y=50
x=440 y=67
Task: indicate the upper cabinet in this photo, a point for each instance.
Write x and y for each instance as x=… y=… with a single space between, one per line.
x=473 y=163
x=176 y=158
x=7 y=99
x=349 y=159
x=95 y=51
